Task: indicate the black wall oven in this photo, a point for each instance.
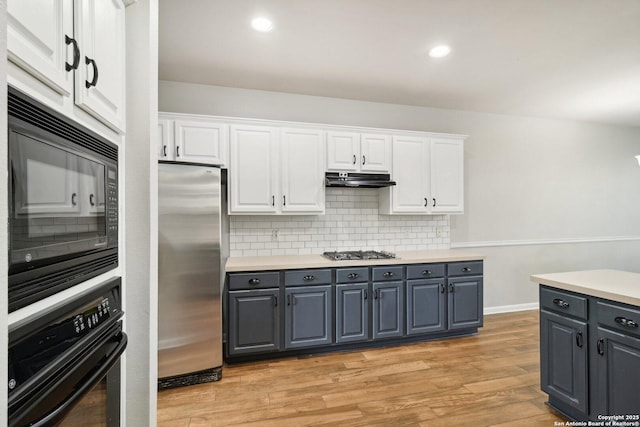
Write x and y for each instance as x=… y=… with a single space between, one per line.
x=63 y=202
x=64 y=364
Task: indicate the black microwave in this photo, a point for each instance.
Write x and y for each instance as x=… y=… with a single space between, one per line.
x=63 y=202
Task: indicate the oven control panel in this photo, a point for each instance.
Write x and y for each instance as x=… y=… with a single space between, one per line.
x=112 y=207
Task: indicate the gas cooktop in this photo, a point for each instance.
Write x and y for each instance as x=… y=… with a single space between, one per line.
x=354 y=255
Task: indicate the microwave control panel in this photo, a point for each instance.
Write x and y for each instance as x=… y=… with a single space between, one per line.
x=112 y=206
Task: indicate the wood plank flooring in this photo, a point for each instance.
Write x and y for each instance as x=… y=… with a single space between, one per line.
x=491 y=379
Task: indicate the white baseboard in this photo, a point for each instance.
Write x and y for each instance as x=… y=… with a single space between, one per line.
x=511 y=308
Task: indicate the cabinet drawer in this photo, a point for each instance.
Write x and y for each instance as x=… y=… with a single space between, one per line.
x=307 y=277
x=254 y=280
x=425 y=271
x=387 y=273
x=563 y=302
x=352 y=275
x=473 y=268
x=624 y=319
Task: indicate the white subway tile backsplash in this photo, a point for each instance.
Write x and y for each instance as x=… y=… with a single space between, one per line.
x=351 y=222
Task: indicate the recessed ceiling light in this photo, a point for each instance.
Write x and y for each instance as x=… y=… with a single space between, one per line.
x=440 y=51
x=262 y=24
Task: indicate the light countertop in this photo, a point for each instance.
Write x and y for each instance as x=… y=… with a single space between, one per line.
x=615 y=285
x=289 y=262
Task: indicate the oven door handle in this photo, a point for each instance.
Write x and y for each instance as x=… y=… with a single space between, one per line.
x=64 y=407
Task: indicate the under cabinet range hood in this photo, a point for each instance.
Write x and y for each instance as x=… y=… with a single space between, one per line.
x=358 y=180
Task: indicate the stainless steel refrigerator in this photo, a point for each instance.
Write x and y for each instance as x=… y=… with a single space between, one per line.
x=189 y=274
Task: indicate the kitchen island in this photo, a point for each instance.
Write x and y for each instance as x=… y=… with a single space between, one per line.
x=302 y=304
x=590 y=344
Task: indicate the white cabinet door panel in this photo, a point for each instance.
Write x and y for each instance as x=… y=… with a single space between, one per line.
x=302 y=154
x=165 y=139
x=343 y=151
x=410 y=172
x=201 y=142
x=36 y=41
x=375 y=153
x=100 y=78
x=252 y=169
x=447 y=176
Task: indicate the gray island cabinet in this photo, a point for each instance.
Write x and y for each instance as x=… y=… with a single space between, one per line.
x=590 y=343
x=293 y=311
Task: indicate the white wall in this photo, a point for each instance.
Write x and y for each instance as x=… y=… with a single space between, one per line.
x=140 y=218
x=528 y=181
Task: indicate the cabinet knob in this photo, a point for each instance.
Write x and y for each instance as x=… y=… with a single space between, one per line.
x=426 y=272
x=94 y=81
x=466 y=269
x=626 y=322
x=353 y=275
x=309 y=278
x=254 y=281
x=561 y=303
x=388 y=274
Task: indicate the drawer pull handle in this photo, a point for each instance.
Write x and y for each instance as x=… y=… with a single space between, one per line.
x=466 y=269
x=560 y=303
x=254 y=281
x=441 y=288
x=309 y=278
x=365 y=294
x=353 y=275
x=452 y=288
x=275 y=301
x=579 y=339
x=426 y=272
x=600 y=346
x=388 y=274
x=626 y=322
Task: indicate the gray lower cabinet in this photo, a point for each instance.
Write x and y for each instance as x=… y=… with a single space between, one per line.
x=352 y=312
x=388 y=305
x=254 y=321
x=308 y=316
x=425 y=306
x=618 y=373
x=464 y=303
x=563 y=359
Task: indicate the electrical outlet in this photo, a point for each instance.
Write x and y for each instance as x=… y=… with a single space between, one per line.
x=275 y=235
x=439 y=231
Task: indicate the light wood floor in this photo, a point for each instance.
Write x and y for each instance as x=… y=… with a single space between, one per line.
x=491 y=379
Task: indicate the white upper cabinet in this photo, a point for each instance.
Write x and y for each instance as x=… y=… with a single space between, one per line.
x=356 y=152
x=302 y=157
x=343 y=151
x=201 y=141
x=42 y=43
x=77 y=49
x=253 y=169
x=100 y=77
x=375 y=153
x=447 y=175
x=429 y=176
x=276 y=170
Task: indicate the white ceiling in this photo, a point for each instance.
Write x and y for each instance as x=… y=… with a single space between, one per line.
x=568 y=59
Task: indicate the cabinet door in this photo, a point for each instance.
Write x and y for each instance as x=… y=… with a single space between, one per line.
x=618 y=361
x=308 y=316
x=375 y=153
x=36 y=32
x=352 y=313
x=252 y=169
x=100 y=78
x=165 y=140
x=388 y=303
x=447 y=176
x=201 y=142
x=563 y=359
x=302 y=155
x=254 y=321
x=411 y=173
x=464 y=303
x=425 y=306
x=343 y=151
